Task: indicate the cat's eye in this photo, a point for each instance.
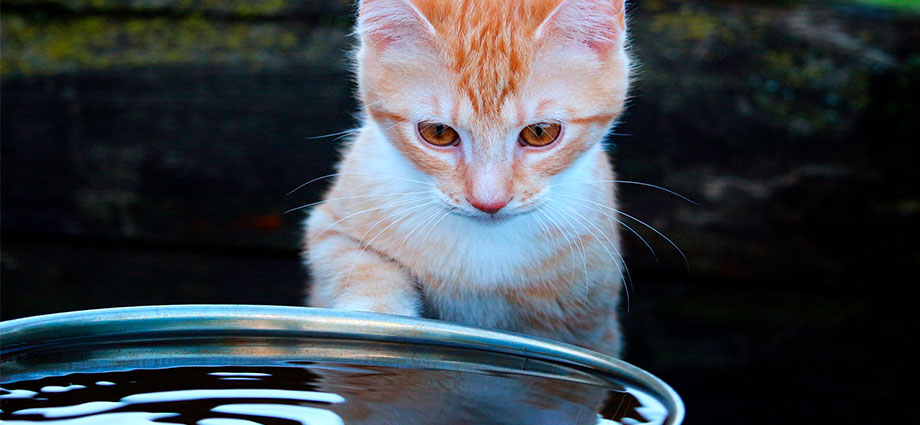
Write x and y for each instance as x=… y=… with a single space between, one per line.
x=438 y=134
x=540 y=134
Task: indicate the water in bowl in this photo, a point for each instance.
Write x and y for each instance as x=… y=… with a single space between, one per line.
x=320 y=393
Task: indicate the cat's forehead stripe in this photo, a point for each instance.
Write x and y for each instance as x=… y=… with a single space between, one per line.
x=489 y=46
x=435 y=106
x=543 y=106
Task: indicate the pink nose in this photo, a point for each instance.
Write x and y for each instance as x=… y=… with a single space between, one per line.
x=490 y=206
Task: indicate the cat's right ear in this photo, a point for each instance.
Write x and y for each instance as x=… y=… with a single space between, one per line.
x=387 y=22
x=598 y=24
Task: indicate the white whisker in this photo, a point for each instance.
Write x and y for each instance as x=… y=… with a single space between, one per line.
x=340 y=133
x=351 y=197
x=433 y=226
x=400 y=212
x=616 y=262
x=564 y=235
x=610 y=217
x=405 y=214
x=581 y=245
x=357 y=174
x=426 y=220
x=630 y=182
x=548 y=233
x=686 y=261
x=390 y=205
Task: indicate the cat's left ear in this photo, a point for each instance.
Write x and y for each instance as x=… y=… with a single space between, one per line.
x=386 y=22
x=598 y=24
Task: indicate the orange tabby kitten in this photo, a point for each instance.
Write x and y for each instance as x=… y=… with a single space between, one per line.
x=477 y=190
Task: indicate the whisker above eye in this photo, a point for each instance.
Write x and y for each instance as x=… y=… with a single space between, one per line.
x=340 y=133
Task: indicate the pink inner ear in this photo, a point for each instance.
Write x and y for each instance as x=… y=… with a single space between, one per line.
x=598 y=24
x=385 y=22
x=384 y=34
x=599 y=47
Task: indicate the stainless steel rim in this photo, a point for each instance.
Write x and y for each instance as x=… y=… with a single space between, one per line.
x=242 y=320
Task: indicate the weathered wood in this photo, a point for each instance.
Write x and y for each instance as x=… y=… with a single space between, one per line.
x=194 y=121
x=177 y=154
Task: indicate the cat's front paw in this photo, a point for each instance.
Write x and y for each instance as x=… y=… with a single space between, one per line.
x=398 y=307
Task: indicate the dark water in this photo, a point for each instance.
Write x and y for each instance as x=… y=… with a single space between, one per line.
x=318 y=394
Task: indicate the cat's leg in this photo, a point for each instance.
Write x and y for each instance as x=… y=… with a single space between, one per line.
x=349 y=276
x=611 y=341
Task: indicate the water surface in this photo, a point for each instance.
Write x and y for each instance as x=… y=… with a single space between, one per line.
x=319 y=394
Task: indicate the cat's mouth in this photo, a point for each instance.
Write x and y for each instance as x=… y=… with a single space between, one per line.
x=481 y=217
x=494 y=219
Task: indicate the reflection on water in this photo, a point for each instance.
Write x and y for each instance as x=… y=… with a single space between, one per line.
x=319 y=394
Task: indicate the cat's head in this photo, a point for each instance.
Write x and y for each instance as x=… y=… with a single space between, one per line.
x=492 y=98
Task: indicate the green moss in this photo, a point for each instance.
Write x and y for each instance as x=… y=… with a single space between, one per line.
x=39 y=46
x=905 y=5
x=686 y=24
x=243 y=8
x=811 y=90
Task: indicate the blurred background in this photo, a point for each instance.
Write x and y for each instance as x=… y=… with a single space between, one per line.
x=147 y=147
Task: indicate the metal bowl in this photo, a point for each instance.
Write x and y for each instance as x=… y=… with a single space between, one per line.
x=149 y=337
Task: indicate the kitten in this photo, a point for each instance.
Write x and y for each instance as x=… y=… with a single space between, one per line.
x=477 y=190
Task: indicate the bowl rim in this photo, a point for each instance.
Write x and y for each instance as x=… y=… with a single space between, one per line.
x=20 y=335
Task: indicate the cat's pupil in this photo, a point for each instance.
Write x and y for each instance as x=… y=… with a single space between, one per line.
x=538 y=130
x=438 y=129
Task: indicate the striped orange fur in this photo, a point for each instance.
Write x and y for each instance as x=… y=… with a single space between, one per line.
x=489 y=230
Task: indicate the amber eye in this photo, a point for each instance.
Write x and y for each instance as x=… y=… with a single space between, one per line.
x=540 y=134
x=438 y=134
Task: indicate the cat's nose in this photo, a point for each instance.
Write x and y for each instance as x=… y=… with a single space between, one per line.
x=490 y=206
x=488 y=184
